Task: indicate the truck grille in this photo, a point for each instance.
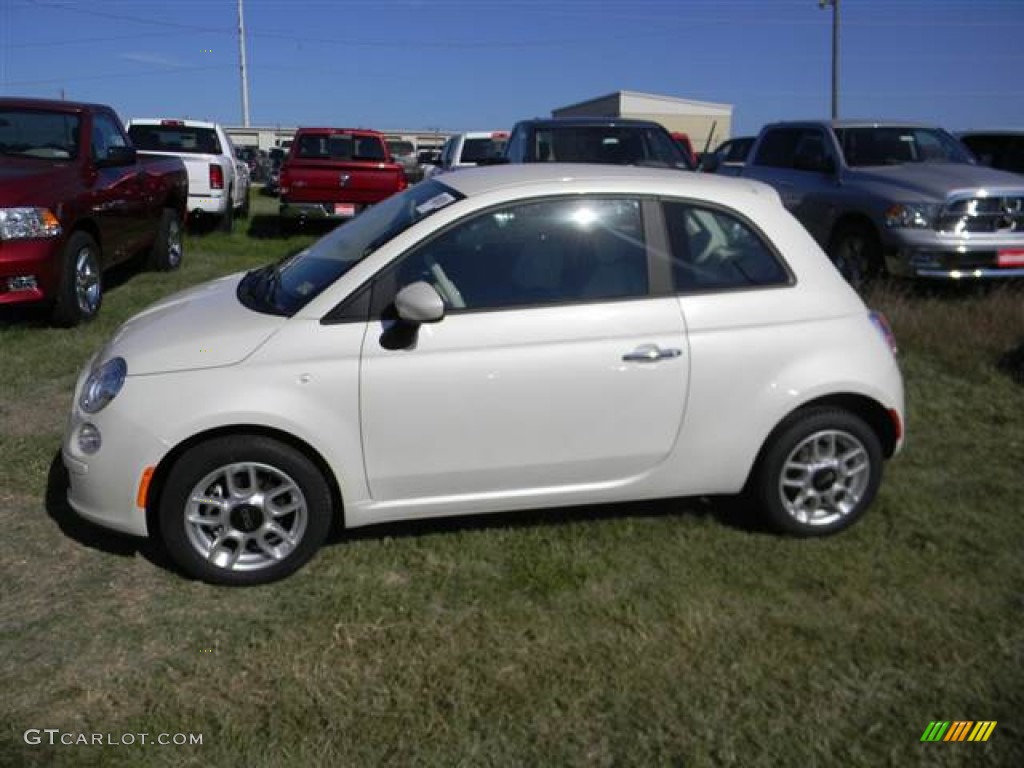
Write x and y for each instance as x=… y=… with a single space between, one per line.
x=999 y=215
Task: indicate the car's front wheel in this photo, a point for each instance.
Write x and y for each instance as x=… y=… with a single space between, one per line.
x=856 y=251
x=80 y=292
x=243 y=510
x=819 y=472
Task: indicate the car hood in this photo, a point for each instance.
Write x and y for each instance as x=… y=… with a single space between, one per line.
x=202 y=327
x=21 y=181
x=934 y=181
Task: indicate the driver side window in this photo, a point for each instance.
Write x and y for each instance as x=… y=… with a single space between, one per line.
x=533 y=254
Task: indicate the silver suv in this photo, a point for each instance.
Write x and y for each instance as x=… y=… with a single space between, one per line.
x=897 y=197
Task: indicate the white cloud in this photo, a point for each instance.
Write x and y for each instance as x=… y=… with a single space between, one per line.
x=150 y=58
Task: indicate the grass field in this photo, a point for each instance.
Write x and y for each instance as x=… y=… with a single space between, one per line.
x=666 y=633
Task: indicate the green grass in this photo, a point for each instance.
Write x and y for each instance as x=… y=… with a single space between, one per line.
x=644 y=635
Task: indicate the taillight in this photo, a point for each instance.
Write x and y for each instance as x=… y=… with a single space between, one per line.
x=216 y=176
x=883 y=327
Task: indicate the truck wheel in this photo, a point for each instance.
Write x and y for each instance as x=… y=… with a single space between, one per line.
x=167 y=250
x=819 y=472
x=80 y=292
x=243 y=510
x=856 y=252
x=243 y=212
x=227 y=221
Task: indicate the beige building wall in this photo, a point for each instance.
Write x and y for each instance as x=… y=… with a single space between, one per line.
x=697 y=127
x=705 y=123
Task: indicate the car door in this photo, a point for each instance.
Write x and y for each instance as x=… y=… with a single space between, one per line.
x=117 y=195
x=555 y=366
x=801 y=164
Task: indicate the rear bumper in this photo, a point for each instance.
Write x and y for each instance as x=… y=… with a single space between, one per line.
x=212 y=204
x=29 y=269
x=319 y=211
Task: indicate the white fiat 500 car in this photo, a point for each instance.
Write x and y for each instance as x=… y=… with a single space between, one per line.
x=497 y=339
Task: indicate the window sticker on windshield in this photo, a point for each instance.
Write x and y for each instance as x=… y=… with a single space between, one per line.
x=437 y=201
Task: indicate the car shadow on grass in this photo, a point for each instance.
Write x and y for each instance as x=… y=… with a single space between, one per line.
x=89 y=534
x=727 y=511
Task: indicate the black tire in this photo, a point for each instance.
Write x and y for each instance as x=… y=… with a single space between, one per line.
x=234 y=542
x=243 y=212
x=168 y=249
x=80 y=292
x=227 y=221
x=856 y=251
x=819 y=472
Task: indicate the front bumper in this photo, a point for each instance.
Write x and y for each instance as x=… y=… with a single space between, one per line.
x=29 y=269
x=104 y=486
x=935 y=256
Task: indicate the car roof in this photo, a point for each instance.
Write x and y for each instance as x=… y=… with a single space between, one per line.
x=573 y=176
x=588 y=121
x=53 y=105
x=855 y=123
x=184 y=123
x=359 y=131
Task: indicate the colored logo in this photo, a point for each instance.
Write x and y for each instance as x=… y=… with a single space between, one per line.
x=958 y=730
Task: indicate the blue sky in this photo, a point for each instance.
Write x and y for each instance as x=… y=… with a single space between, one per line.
x=483 y=64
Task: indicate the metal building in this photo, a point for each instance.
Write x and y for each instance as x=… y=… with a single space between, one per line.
x=706 y=124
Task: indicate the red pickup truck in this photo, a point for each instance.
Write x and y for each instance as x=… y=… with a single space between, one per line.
x=334 y=173
x=75 y=198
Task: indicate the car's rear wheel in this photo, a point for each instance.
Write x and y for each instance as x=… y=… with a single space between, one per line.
x=80 y=292
x=856 y=251
x=227 y=221
x=819 y=472
x=167 y=250
x=243 y=510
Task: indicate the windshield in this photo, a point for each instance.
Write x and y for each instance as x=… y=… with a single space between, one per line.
x=286 y=287
x=339 y=146
x=613 y=145
x=895 y=145
x=175 y=138
x=475 y=150
x=44 y=135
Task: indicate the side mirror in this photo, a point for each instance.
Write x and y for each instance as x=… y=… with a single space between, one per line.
x=419 y=303
x=117 y=156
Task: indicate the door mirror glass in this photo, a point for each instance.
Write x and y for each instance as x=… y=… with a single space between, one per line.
x=419 y=303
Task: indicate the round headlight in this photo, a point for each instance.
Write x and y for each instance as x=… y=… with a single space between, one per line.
x=102 y=385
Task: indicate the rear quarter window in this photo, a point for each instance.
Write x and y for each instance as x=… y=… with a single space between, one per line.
x=713 y=250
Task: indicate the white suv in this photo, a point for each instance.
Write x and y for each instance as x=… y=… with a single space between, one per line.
x=509 y=338
x=218 y=181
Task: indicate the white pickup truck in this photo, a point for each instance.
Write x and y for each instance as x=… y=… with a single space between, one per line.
x=218 y=182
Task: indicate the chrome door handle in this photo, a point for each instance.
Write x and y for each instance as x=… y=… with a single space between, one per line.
x=650 y=353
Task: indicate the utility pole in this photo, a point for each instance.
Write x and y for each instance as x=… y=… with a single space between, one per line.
x=823 y=4
x=241 y=55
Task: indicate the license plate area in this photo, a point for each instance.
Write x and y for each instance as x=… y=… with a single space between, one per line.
x=349 y=209
x=1010 y=257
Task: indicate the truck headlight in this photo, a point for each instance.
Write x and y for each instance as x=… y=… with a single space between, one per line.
x=28 y=223
x=912 y=215
x=102 y=385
